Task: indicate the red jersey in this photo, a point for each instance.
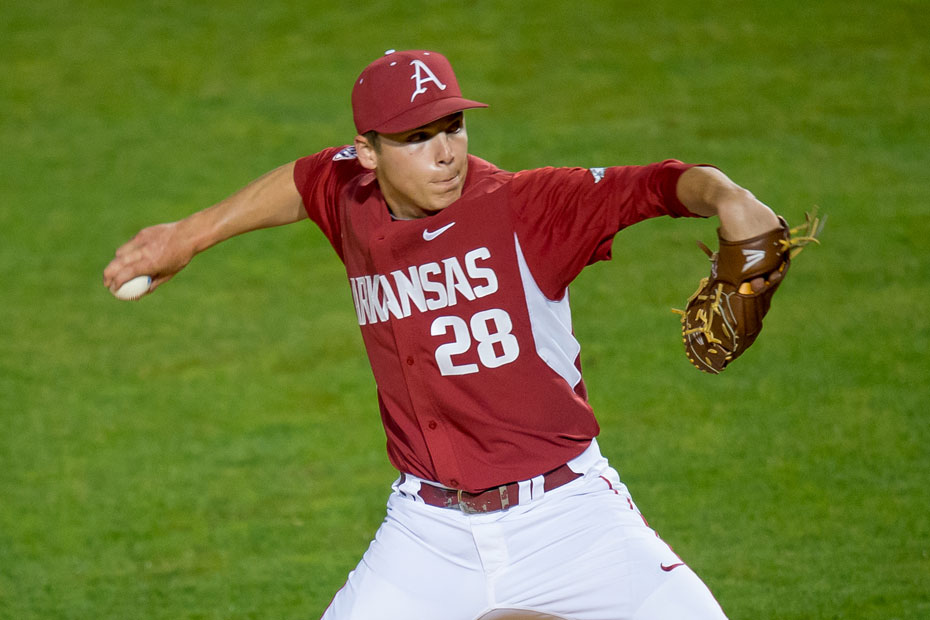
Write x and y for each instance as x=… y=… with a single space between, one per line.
x=465 y=314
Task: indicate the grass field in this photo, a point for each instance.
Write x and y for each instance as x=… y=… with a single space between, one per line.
x=214 y=451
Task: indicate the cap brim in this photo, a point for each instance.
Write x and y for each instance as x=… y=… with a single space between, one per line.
x=425 y=114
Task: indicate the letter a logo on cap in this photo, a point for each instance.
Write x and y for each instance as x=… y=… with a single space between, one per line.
x=419 y=69
x=386 y=96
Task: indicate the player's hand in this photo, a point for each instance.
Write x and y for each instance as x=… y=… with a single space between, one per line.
x=158 y=251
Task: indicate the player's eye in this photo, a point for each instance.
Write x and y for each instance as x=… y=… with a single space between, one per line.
x=457 y=124
x=419 y=136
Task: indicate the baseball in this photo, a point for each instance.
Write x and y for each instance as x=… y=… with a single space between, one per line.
x=134 y=289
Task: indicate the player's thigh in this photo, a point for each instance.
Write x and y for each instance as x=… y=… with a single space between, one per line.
x=642 y=577
x=420 y=566
x=599 y=559
x=681 y=595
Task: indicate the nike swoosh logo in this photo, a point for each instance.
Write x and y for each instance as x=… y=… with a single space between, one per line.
x=670 y=567
x=429 y=235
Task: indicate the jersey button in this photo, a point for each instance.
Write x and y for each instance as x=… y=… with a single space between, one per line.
x=410 y=361
x=454 y=483
x=432 y=425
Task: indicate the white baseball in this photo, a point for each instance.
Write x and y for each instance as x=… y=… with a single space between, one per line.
x=134 y=289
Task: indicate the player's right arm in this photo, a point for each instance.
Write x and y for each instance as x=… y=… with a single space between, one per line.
x=163 y=250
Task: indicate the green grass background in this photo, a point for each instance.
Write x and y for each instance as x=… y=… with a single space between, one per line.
x=214 y=451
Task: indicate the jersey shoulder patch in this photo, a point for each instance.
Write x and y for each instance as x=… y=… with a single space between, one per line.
x=346 y=153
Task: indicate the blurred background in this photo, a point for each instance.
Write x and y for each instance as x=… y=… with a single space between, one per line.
x=214 y=450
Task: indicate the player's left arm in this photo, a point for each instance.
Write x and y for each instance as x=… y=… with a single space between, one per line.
x=707 y=191
x=723 y=317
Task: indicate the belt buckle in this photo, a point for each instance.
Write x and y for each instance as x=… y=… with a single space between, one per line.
x=464 y=506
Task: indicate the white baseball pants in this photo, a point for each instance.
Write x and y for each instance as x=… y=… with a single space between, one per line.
x=578 y=552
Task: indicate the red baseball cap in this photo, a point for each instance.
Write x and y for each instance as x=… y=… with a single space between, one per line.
x=405 y=90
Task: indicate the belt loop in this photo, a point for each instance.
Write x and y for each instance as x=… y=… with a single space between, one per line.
x=537 y=487
x=408 y=485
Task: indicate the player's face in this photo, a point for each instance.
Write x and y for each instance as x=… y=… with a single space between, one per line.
x=422 y=171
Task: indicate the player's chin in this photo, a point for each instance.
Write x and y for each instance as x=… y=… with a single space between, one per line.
x=443 y=199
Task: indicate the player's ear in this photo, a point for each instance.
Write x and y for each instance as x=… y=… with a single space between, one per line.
x=366 y=152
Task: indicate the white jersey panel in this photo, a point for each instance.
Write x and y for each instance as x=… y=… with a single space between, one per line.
x=551 y=322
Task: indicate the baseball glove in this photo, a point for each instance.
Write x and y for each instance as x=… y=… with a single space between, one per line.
x=724 y=315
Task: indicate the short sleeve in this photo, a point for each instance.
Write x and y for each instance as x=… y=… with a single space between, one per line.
x=320 y=178
x=566 y=218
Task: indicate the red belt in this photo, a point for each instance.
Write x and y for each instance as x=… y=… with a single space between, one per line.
x=490 y=500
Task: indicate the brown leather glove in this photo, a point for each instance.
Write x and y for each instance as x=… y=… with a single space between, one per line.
x=724 y=315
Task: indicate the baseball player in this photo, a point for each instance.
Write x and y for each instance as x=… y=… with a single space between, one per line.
x=459 y=271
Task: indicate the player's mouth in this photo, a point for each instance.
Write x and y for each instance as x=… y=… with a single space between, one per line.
x=447 y=184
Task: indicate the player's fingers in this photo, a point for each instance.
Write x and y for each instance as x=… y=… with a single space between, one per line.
x=126 y=254
x=130 y=246
x=119 y=262
x=143 y=240
x=111 y=272
x=116 y=280
x=153 y=251
x=124 y=268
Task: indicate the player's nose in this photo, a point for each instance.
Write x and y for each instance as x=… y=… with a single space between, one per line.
x=443 y=149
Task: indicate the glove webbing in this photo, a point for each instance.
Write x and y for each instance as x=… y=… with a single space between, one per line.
x=812 y=227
